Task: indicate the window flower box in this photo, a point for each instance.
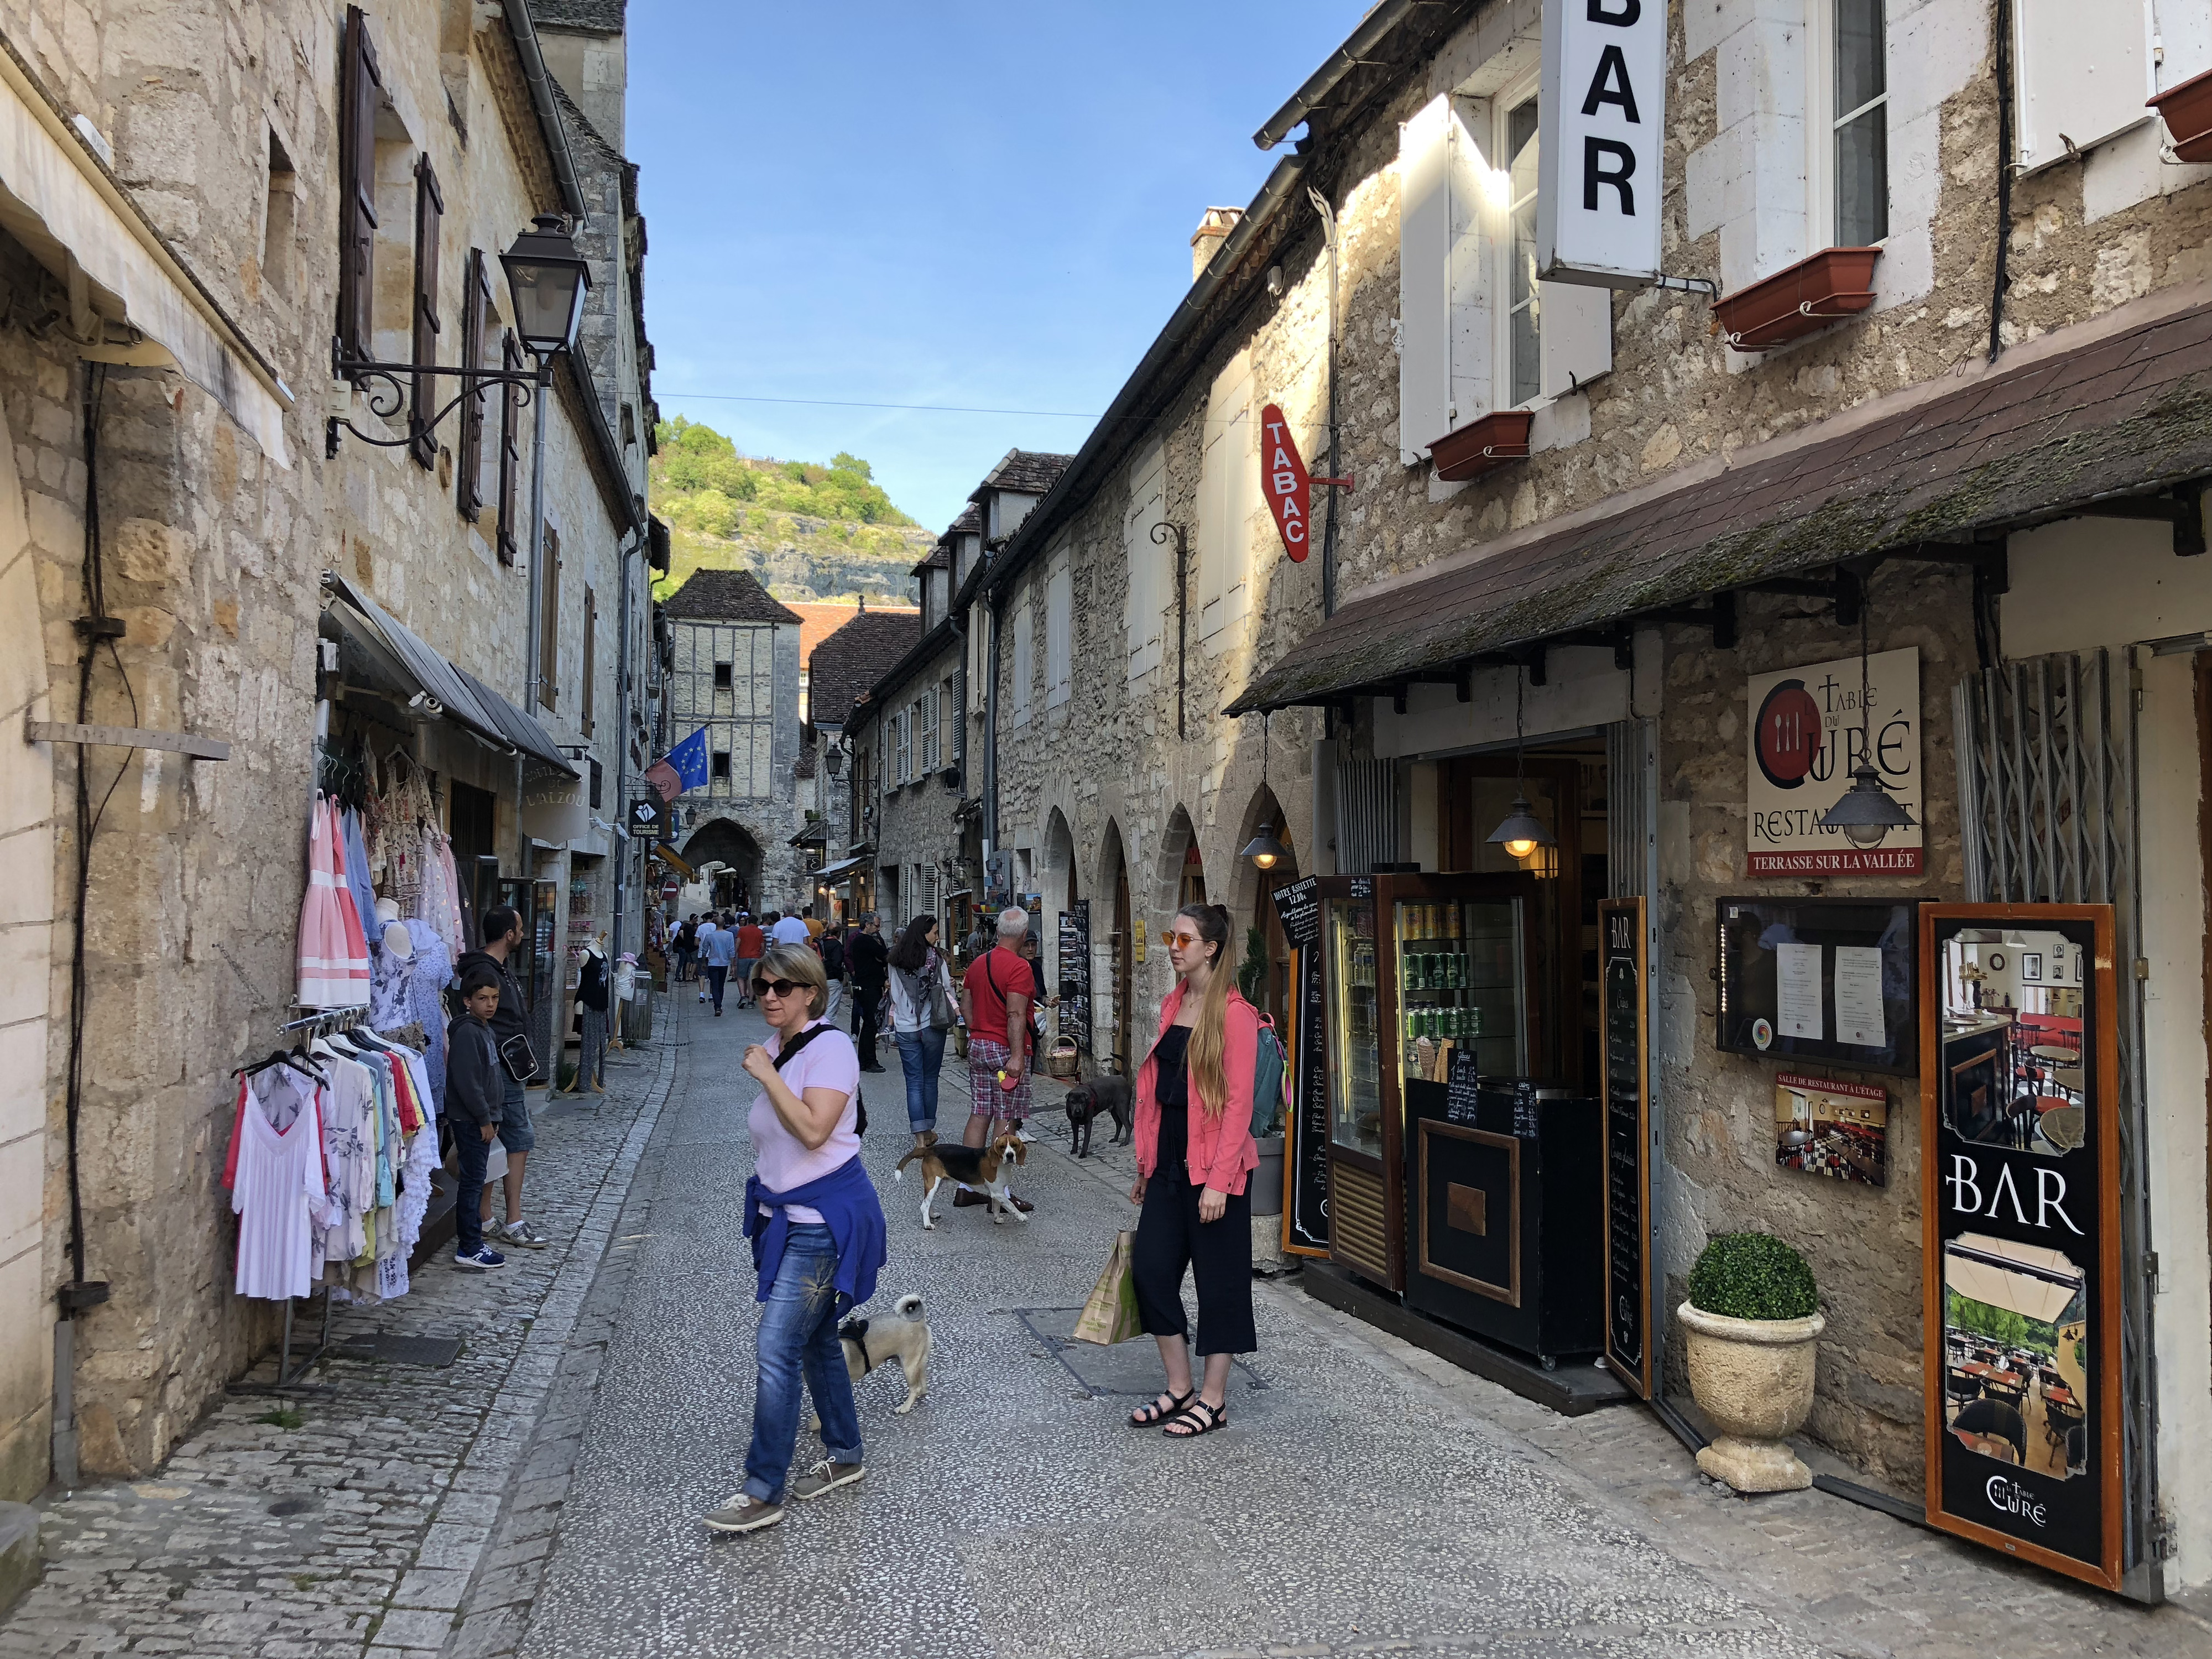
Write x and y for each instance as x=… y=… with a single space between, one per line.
x=1498 y=438
x=1802 y=300
x=2187 y=109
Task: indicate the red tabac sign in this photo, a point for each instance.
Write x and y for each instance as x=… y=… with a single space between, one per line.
x=1283 y=481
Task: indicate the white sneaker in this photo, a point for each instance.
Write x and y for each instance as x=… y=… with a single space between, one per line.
x=522 y=1233
x=492 y=1231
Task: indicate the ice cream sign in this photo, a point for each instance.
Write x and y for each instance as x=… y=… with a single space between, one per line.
x=1809 y=727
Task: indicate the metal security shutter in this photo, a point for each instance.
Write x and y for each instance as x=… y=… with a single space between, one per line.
x=1366 y=815
x=2047 y=795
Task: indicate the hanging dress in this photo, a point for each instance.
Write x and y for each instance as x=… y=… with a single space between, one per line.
x=333 y=950
x=276 y=1189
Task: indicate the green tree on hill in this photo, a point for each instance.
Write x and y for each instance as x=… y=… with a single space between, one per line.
x=701 y=481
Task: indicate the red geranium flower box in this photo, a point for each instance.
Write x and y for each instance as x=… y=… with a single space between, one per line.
x=1802 y=300
x=1498 y=438
x=2187 y=109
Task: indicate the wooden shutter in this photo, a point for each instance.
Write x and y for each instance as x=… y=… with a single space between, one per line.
x=476 y=309
x=1575 y=343
x=1424 y=274
x=510 y=449
x=591 y=654
x=360 y=93
x=2084 y=73
x=429 y=214
x=548 y=617
x=960 y=713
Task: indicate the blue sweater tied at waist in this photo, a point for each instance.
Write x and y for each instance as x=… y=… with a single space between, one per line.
x=847 y=1201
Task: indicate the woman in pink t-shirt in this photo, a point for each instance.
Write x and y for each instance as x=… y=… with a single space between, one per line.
x=818 y=1238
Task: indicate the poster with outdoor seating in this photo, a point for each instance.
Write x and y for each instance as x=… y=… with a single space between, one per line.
x=2019 y=1100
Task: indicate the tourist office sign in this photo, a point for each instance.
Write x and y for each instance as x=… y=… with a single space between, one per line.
x=1808 y=730
x=2019 y=1104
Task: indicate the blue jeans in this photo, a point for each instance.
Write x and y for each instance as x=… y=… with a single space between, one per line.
x=471 y=1152
x=921 y=1056
x=798 y=1335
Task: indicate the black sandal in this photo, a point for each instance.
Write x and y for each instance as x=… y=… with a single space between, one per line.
x=1216 y=1417
x=1156 y=1413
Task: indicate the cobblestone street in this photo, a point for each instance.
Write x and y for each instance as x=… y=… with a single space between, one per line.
x=540 y=1498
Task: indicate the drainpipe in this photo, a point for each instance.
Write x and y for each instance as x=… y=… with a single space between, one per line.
x=623 y=850
x=990 y=740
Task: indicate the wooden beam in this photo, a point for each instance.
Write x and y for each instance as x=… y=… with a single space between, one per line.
x=127 y=736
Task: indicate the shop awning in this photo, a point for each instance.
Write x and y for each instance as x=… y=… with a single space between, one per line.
x=814 y=835
x=669 y=856
x=2116 y=408
x=136 y=302
x=841 y=871
x=413 y=667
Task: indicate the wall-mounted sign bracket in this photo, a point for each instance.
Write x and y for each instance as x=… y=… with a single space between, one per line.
x=127 y=736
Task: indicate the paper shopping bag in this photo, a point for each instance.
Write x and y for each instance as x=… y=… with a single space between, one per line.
x=1110 y=1315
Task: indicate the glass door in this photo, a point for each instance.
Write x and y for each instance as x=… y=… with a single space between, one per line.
x=1461 y=984
x=1354 y=1035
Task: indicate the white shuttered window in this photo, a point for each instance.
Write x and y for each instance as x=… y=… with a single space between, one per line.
x=2085 y=67
x=1150 y=566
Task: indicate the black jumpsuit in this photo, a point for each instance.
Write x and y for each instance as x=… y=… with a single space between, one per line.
x=1170 y=1237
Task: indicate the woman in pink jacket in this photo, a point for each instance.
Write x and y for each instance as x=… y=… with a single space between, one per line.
x=1194 y=1152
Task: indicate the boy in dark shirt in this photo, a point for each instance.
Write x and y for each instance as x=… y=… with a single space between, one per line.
x=475 y=1087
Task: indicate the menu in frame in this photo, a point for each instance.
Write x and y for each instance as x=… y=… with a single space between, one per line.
x=1305 y=1200
x=1626 y=1073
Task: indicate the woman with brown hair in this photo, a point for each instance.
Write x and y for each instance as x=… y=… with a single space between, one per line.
x=1194 y=1155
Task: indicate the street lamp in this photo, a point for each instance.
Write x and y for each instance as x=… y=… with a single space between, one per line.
x=1522 y=832
x=546 y=277
x=1265 y=850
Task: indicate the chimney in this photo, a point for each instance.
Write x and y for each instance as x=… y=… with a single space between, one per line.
x=1212 y=230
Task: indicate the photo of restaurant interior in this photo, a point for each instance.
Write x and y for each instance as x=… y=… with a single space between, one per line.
x=2015 y=1328
x=2013 y=1021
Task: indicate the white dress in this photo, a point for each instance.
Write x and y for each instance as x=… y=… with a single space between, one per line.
x=277 y=1195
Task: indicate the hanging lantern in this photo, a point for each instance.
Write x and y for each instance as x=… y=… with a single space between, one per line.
x=1522 y=832
x=1265 y=850
x=1866 y=811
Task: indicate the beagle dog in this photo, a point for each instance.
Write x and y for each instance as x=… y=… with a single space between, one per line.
x=974 y=1167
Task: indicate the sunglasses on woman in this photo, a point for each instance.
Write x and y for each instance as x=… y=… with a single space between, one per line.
x=782 y=987
x=1172 y=937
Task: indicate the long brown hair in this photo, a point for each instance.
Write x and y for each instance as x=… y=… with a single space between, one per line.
x=1209 y=1039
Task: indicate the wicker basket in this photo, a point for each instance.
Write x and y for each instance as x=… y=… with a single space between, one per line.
x=1063 y=1058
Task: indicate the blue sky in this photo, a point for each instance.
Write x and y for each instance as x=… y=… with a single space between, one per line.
x=952 y=203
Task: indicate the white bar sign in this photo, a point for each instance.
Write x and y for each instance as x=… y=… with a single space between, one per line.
x=1603 y=119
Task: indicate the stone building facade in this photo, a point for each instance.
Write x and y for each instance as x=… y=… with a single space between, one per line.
x=1166 y=680
x=166 y=371
x=736 y=676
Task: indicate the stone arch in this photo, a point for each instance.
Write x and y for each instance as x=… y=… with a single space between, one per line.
x=729 y=843
x=1115 y=916
x=1246 y=893
x=1179 y=874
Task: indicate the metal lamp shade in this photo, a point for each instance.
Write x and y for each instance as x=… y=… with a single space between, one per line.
x=1265 y=850
x=1522 y=832
x=547 y=279
x=1866 y=811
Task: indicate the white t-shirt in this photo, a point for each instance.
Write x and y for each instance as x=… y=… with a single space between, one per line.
x=780 y=1158
x=791 y=930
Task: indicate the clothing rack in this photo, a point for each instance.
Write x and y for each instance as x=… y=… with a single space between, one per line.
x=329 y=1019
x=288 y=1374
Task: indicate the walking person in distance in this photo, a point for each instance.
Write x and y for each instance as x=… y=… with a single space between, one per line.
x=700 y=941
x=1194 y=1155
x=817 y=1236
x=921 y=997
x=995 y=994
x=721 y=950
x=867 y=964
x=752 y=946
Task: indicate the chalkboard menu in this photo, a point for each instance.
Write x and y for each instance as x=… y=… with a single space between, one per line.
x=1623 y=1002
x=1299 y=906
x=1075 y=973
x=1305 y=1205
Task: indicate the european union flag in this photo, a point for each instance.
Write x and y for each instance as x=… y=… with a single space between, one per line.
x=689 y=758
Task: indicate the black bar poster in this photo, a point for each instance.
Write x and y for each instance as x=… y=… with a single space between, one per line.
x=2019 y=1115
x=1305 y=1205
x=1075 y=973
x=1627 y=1077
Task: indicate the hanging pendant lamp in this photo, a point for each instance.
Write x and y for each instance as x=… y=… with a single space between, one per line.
x=1865 y=812
x=1264 y=849
x=1522 y=832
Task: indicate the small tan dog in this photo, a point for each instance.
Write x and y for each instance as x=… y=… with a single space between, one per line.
x=869 y=1343
x=976 y=1167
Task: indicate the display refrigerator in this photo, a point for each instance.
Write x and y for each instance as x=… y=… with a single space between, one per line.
x=1417 y=969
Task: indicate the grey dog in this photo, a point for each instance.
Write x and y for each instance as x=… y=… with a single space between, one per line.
x=1105 y=1094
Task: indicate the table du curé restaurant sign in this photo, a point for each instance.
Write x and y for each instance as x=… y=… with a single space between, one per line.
x=1808 y=730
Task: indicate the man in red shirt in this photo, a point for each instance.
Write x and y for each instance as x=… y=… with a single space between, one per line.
x=752 y=946
x=994 y=1000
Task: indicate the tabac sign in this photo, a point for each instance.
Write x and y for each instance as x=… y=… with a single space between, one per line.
x=1808 y=731
x=1286 y=484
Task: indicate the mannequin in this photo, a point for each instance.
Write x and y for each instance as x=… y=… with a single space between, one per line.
x=592 y=988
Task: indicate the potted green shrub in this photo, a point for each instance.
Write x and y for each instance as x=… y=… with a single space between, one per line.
x=1753 y=1323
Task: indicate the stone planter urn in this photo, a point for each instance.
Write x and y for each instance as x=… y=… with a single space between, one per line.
x=1753 y=1379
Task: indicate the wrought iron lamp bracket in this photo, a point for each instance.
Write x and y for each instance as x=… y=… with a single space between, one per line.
x=385 y=385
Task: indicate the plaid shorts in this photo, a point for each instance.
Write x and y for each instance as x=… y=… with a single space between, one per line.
x=985 y=1097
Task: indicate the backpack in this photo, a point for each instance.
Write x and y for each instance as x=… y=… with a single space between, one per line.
x=1268 y=1100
